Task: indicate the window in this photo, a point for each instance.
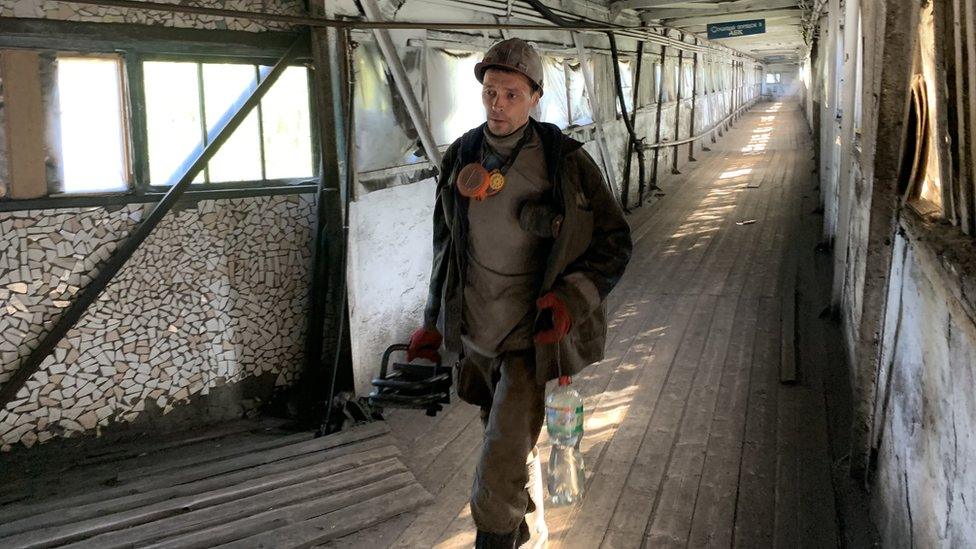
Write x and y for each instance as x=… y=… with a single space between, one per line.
x=627 y=84
x=185 y=101
x=773 y=77
x=92 y=137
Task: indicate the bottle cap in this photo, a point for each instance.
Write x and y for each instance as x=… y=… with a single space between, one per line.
x=565 y=380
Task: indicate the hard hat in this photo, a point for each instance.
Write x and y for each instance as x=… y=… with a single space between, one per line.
x=513 y=54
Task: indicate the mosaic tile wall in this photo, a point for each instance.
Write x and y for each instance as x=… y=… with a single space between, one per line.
x=216 y=294
x=68 y=11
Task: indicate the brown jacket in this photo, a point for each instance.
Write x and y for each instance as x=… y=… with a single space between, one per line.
x=585 y=262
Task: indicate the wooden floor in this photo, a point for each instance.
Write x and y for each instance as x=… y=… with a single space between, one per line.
x=690 y=438
x=247 y=484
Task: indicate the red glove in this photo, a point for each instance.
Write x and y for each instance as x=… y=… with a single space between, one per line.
x=561 y=319
x=424 y=343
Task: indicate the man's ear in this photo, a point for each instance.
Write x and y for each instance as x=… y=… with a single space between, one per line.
x=536 y=96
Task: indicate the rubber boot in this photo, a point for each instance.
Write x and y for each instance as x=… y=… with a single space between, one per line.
x=489 y=540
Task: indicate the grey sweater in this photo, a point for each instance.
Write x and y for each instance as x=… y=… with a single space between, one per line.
x=505 y=262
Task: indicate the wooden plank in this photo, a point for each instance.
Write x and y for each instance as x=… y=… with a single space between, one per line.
x=787 y=356
x=786 y=520
x=234 y=448
x=115 y=500
x=277 y=527
x=24 y=111
x=181 y=515
x=643 y=443
x=712 y=520
x=341 y=522
x=190 y=474
x=430 y=522
x=754 y=510
x=672 y=520
x=94 y=518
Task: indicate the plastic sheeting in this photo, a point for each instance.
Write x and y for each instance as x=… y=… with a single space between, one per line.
x=627 y=83
x=579 y=103
x=455 y=94
x=554 y=105
x=380 y=111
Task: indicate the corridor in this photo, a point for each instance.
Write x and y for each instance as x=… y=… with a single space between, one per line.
x=690 y=437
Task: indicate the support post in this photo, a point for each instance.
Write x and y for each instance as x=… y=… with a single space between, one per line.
x=106 y=272
x=677 y=111
x=894 y=35
x=325 y=309
x=403 y=84
x=657 y=121
x=694 y=102
x=845 y=186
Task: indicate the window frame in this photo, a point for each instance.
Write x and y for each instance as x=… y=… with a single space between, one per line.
x=134 y=44
x=141 y=180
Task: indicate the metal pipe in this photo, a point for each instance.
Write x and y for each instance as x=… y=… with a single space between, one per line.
x=106 y=272
x=324 y=22
x=587 y=25
x=662 y=144
x=372 y=12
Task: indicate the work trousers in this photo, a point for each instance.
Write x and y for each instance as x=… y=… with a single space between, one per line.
x=507 y=483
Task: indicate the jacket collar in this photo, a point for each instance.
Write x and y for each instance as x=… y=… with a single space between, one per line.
x=555 y=144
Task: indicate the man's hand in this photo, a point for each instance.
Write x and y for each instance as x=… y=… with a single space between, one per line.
x=561 y=319
x=424 y=343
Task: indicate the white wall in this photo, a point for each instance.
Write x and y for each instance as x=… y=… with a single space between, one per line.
x=390 y=256
x=926 y=480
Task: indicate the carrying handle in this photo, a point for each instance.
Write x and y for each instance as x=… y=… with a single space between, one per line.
x=400 y=347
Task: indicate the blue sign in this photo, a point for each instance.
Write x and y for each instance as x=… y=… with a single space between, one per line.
x=736 y=28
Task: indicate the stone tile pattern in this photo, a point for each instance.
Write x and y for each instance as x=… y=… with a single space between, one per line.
x=68 y=11
x=216 y=294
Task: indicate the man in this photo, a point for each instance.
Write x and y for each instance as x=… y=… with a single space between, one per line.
x=528 y=242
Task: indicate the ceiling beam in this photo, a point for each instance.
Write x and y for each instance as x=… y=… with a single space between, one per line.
x=639 y=4
x=768 y=15
x=725 y=8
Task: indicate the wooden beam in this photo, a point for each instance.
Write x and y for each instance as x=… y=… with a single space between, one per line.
x=728 y=8
x=641 y=4
x=893 y=31
x=24 y=110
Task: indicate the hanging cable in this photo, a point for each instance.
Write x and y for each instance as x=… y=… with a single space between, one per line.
x=635 y=143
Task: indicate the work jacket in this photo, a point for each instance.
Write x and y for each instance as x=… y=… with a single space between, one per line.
x=586 y=259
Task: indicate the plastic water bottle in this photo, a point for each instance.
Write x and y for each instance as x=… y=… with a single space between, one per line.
x=564 y=421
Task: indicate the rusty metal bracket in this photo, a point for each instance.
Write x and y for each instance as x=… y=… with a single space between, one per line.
x=194 y=163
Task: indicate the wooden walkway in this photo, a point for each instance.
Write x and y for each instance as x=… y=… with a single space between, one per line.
x=690 y=438
x=243 y=485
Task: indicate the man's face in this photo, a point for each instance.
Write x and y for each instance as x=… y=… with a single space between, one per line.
x=508 y=98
